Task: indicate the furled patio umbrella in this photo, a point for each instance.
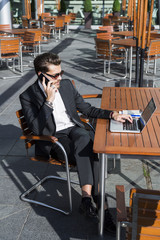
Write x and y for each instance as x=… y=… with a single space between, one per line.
x=40 y=10
x=58 y=5
x=144 y=43
x=40 y=7
x=28 y=9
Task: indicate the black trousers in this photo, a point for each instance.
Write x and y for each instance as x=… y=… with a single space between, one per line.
x=78 y=144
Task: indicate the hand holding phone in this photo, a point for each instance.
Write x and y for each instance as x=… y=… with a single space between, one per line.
x=41 y=76
x=49 y=89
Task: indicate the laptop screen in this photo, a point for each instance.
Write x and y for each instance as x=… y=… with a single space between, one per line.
x=148 y=111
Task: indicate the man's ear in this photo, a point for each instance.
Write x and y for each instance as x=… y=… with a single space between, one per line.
x=38 y=73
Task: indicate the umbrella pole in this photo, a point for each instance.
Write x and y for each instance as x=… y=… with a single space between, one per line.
x=141 y=67
x=137 y=61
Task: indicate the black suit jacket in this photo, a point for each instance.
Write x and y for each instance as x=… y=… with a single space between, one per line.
x=40 y=118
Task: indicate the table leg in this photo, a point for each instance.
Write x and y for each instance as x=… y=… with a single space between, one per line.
x=102 y=192
x=130 y=70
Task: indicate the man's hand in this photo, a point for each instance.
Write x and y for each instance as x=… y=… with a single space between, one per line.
x=49 y=89
x=121 y=117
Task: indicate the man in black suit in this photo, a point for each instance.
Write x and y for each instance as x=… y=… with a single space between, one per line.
x=50 y=108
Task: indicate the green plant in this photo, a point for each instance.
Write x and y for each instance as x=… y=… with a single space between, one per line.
x=87 y=6
x=63 y=6
x=116 y=6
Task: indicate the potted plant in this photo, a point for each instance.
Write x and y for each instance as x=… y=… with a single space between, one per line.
x=116 y=8
x=88 y=13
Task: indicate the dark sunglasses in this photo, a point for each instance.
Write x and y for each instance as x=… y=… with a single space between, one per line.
x=56 y=75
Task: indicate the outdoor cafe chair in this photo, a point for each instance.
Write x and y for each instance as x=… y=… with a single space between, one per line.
x=46 y=33
x=4 y=27
x=58 y=26
x=30 y=140
x=10 y=50
x=67 y=20
x=152 y=54
x=31 y=42
x=106 y=52
x=142 y=218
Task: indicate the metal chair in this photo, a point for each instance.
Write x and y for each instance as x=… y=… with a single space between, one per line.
x=152 y=54
x=106 y=52
x=10 y=50
x=58 y=26
x=142 y=217
x=31 y=42
x=30 y=141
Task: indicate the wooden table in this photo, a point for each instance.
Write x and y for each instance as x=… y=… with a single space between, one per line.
x=146 y=143
x=19 y=31
x=127 y=43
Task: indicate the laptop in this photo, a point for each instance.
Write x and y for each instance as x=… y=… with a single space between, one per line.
x=138 y=124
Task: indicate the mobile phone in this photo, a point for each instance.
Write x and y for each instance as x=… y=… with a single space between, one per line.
x=41 y=78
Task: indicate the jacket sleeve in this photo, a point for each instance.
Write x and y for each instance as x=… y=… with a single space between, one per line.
x=87 y=109
x=37 y=116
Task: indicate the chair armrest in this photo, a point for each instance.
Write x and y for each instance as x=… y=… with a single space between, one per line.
x=84 y=119
x=121 y=208
x=92 y=96
x=40 y=138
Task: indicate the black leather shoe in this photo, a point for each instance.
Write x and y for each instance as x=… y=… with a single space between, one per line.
x=109 y=225
x=87 y=208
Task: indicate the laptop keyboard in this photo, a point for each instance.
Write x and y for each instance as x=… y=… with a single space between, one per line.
x=130 y=126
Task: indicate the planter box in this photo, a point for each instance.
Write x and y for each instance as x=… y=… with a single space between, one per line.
x=88 y=19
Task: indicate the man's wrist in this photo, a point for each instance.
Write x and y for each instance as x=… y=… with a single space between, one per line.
x=112 y=114
x=49 y=104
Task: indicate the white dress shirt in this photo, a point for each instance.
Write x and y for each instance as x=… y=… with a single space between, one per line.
x=62 y=119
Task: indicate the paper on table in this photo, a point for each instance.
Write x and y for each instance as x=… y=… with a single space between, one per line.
x=133 y=113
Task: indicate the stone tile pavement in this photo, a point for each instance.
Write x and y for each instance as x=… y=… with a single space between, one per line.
x=20 y=220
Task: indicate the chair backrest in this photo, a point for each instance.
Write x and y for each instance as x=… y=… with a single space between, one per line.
x=106 y=21
x=25 y=129
x=144 y=214
x=103 y=47
x=5 y=26
x=108 y=15
x=104 y=35
x=38 y=34
x=24 y=23
x=29 y=37
x=59 y=22
x=72 y=16
x=45 y=15
x=154 y=48
x=9 y=46
x=106 y=28
x=67 y=18
x=46 y=29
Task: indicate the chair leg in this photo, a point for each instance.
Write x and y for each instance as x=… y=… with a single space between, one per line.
x=25 y=199
x=23 y=196
x=118 y=231
x=155 y=63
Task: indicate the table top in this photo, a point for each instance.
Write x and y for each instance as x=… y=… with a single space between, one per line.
x=128 y=42
x=145 y=143
x=18 y=31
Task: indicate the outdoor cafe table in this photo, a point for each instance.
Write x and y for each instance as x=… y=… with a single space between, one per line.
x=18 y=31
x=145 y=144
x=127 y=43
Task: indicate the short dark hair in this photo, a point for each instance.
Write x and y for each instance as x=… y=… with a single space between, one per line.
x=42 y=61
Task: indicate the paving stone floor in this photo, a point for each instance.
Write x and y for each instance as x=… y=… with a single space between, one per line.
x=22 y=221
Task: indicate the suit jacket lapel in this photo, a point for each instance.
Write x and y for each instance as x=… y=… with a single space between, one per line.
x=40 y=97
